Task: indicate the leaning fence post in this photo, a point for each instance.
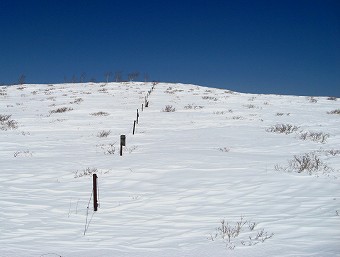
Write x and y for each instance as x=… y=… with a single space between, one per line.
x=95 y=197
x=134 y=127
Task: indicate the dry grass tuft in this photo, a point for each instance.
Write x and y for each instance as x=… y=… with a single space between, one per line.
x=169 y=108
x=283 y=128
x=7 y=123
x=100 y=114
x=61 y=110
x=337 y=111
x=104 y=133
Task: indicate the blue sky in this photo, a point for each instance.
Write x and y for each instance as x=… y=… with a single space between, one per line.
x=280 y=47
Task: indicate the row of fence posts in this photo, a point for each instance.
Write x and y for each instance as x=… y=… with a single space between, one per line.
x=135 y=122
x=122 y=143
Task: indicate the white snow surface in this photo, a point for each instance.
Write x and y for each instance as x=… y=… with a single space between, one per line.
x=180 y=175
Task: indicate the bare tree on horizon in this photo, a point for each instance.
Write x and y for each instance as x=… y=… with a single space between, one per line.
x=118 y=76
x=107 y=76
x=146 y=77
x=21 y=79
x=82 y=77
x=133 y=76
x=74 y=79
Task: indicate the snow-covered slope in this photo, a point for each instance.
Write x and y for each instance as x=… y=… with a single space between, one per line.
x=185 y=179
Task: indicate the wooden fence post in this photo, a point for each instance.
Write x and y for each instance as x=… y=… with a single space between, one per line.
x=137 y=116
x=95 y=197
x=134 y=127
x=122 y=143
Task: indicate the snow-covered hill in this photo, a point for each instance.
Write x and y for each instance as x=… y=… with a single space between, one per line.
x=209 y=172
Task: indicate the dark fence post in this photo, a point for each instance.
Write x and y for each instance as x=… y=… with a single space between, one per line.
x=122 y=143
x=95 y=197
x=137 y=116
x=142 y=107
x=134 y=127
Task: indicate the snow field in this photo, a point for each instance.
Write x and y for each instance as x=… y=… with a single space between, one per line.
x=179 y=176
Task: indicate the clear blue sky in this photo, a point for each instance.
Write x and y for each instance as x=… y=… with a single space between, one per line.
x=281 y=47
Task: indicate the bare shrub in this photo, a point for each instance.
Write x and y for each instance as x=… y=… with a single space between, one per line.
x=6 y=123
x=11 y=124
x=314 y=136
x=281 y=114
x=52 y=98
x=193 y=106
x=169 y=108
x=229 y=92
x=169 y=89
x=251 y=225
x=311 y=99
x=172 y=91
x=86 y=93
x=283 y=128
x=104 y=133
x=131 y=149
x=333 y=152
x=228 y=231
x=85 y=172
x=308 y=162
x=219 y=112
x=4 y=118
x=3 y=93
x=99 y=114
x=224 y=149
x=111 y=149
x=209 y=98
x=25 y=153
x=61 y=110
x=332 y=98
x=102 y=90
x=250 y=106
x=260 y=236
x=337 y=111
x=238 y=117
x=242 y=232
x=77 y=101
